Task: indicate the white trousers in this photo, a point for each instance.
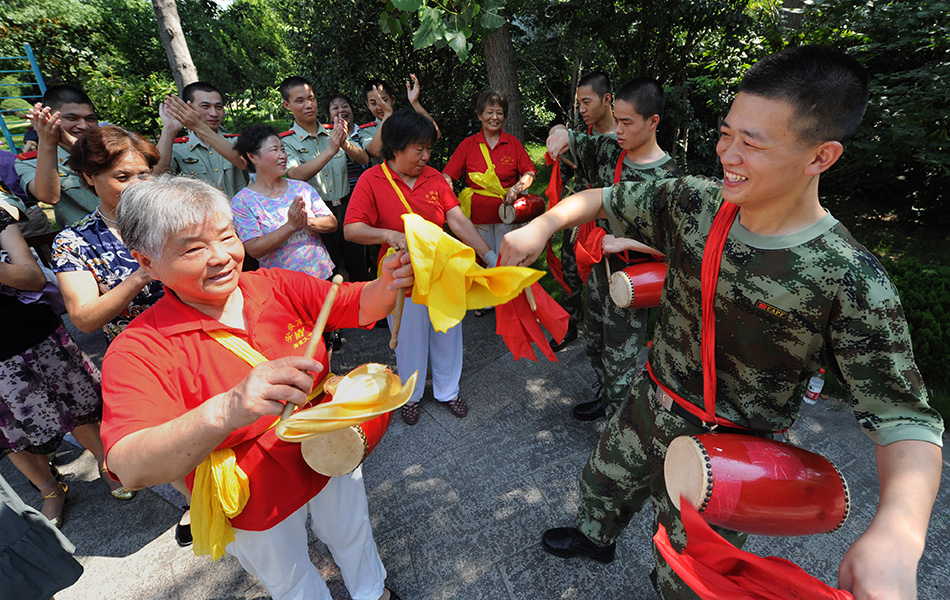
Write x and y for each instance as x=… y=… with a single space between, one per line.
x=492 y=234
x=418 y=342
x=279 y=556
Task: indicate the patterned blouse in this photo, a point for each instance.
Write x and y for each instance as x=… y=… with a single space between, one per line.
x=91 y=245
x=256 y=215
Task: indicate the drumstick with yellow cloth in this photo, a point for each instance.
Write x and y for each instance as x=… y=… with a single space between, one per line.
x=317 y=336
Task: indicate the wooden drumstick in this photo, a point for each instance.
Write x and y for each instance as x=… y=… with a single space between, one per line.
x=529 y=294
x=397 y=319
x=317 y=336
x=564 y=159
x=607 y=266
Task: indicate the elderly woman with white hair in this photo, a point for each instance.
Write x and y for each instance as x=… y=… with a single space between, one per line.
x=174 y=392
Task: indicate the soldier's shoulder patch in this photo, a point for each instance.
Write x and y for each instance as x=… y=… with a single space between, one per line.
x=328 y=125
x=190 y=160
x=370 y=124
x=26 y=155
x=772 y=310
x=285 y=133
x=182 y=140
x=231 y=135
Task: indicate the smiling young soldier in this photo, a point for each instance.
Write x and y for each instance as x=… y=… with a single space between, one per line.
x=594 y=103
x=785 y=128
x=614 y=335
x=206 y=153
x=64 y=113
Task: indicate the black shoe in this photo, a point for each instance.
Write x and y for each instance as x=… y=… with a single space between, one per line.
x=183 y=532
x=569 y=337
x=590 y=411
x=567 y=542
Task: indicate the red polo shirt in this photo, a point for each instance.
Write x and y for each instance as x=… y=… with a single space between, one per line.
x=375 y=202
x=164 y=365
x=511 y=161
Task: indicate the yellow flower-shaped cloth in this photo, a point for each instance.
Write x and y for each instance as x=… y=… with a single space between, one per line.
x=362 y=394
x=448 y=280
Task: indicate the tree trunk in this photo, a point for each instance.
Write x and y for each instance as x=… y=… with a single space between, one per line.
x=792 y=14
x=500 y=63
x=176 y=47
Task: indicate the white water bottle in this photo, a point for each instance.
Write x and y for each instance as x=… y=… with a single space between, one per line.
x=814 y=387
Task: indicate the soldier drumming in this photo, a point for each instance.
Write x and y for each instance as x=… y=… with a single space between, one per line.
x=785 y=127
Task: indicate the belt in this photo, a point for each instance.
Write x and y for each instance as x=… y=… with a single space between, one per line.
x=667 y=402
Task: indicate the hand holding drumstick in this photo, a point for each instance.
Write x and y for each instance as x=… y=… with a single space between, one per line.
x=317 y=336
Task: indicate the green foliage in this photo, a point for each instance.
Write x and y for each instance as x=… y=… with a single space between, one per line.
x=925 y=295
x=452 y=23
x=899 y=160
x=128 y=101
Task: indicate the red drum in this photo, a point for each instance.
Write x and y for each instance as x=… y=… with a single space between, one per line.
x=638 y=285
x=521 y=210
x=756 y=485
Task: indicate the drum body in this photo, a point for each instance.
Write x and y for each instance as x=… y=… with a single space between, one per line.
x=521 y=210
x=337 y=452
x=756 y=485
x=638 y=285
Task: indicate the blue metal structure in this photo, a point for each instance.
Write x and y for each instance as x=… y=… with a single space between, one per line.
x=35 y=82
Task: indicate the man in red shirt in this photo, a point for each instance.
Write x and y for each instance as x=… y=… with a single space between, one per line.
x=174 y=394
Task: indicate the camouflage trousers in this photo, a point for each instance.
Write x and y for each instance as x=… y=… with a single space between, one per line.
x=572 y=301
x=625 y=470
x=613 y=336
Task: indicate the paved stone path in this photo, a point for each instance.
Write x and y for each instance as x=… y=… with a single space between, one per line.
x=458 y=505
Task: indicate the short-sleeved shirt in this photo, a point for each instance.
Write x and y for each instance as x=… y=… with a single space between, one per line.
x=165 y=364
x=331 y=181
x=192 y=157
x=91 y=246
x=596 y=157
x=510 y=159
x=585 y=174
x=256 y=215
x=75 y=200
x=375 y=202
x=367 y=132
x=785 y=306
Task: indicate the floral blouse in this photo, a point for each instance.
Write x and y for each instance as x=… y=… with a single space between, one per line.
x=90 y=244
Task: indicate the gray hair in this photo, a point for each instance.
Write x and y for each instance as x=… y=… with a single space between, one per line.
x=151 y=212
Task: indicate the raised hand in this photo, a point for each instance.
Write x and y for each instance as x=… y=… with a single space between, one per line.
x=182 y=112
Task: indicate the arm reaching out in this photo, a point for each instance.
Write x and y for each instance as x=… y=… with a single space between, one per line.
x=522 y=247
x=882 y=563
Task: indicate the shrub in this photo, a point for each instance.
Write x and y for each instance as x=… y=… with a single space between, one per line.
x=925 y=293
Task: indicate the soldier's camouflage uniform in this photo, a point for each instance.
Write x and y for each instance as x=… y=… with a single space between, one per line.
x=785 y=307
x=613 y=335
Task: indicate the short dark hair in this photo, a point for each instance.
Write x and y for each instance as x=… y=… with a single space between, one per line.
x=59 y=95
x=97 y=149
x=827 y=89
x=378 y=83
x=491 y=97
x=339 y=96
x=290 y=83
x=403 y=128
x=251 y=140
x=188 y=94
x=598 y=81
x=645 y=94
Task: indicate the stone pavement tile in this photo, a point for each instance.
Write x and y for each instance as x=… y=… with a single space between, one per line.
x=394 y=550
x=405 y=499
x=489 y=585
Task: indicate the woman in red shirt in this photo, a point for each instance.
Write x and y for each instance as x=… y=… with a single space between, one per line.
x=404 y=184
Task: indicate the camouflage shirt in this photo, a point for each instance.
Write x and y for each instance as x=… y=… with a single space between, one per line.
x=785 y=307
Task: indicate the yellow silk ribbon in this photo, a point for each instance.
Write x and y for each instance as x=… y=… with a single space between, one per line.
x=221 y=489
x=489 y=182
x=450 y=282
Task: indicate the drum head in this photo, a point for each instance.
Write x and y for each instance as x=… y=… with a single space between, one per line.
x=621 y=289
x=336 y=453
x=506 y=213
x=686 y=472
